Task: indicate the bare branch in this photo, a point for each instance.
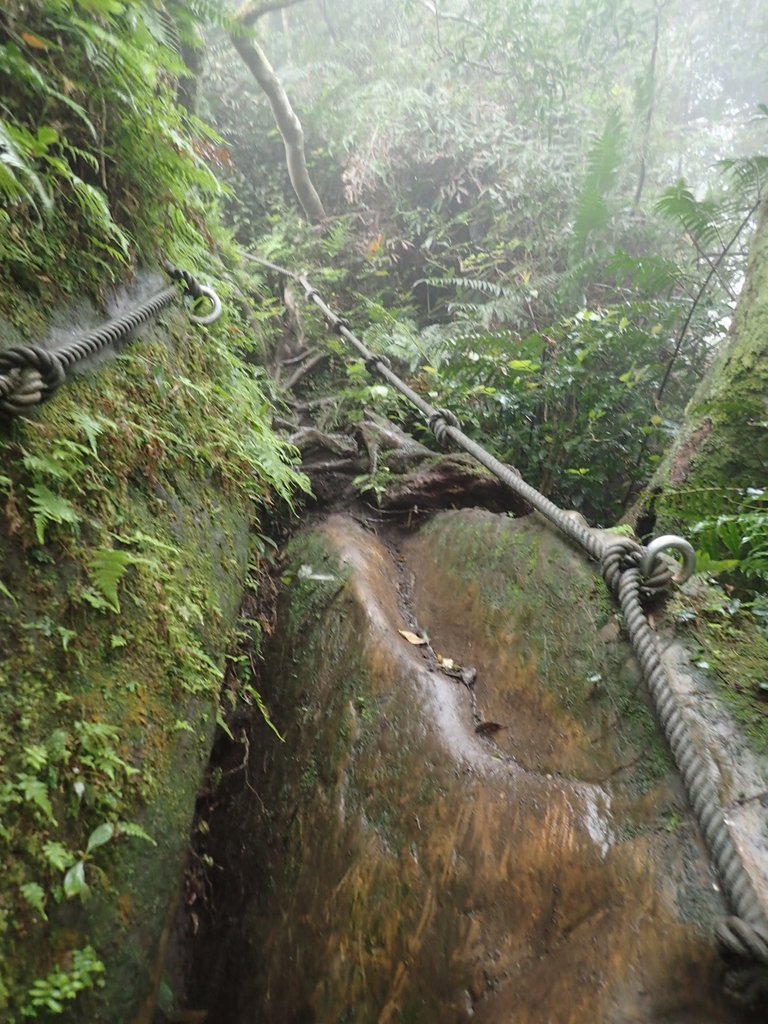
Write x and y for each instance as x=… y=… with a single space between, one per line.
x=308 y=367
x=431 y=6
x=287 y=122
x=251 y=12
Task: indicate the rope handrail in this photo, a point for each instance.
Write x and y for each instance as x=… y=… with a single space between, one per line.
x=30 y=374
x=632 y=572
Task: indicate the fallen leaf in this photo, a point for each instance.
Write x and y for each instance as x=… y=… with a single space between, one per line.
x=448 y=664
x=412 y=638
x=34 y=41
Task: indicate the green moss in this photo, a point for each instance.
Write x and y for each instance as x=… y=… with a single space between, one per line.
x=158 y=464
x=738 y=652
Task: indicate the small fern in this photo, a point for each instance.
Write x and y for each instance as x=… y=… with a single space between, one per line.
x=107 y=568
x=603 y=165
x=48 y=508
x=730 y=528
x=134 y=831
x=698 y=217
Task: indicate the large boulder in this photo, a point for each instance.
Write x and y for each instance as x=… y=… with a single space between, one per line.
x=485 y=826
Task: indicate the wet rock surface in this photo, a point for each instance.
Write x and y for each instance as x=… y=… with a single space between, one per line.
x=484 y=827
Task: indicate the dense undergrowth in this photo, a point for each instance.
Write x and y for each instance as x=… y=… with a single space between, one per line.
x=559 y=271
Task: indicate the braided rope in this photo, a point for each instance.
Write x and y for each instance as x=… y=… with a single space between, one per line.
x=743 y=937
x=191 y=285
x=30 y=374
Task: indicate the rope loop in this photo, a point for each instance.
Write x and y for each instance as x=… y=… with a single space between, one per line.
x=342 y=324
x=744 y=948
x=439 y=422
x=215 y=312
x=196 y=292
x=650 y=562
x=655 y=573
x=29 y=375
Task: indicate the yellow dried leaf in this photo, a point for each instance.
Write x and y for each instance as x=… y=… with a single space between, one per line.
x=412 y=638
x=34 y=41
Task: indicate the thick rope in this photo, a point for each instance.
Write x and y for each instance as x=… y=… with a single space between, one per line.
x=743 y=937
x=30 y=374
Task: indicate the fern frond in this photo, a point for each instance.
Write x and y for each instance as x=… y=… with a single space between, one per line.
x=698 y=218
x=603 y=164
x=48 y=507
x=107 y=568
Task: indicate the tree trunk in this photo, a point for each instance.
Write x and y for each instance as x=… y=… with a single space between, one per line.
x=724 y=439
x=288 y=125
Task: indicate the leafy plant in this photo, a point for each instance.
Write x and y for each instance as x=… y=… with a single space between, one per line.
x=730 y=529
x=604 y=160
x=108 y=566
x=47 y=508
x=60 y=987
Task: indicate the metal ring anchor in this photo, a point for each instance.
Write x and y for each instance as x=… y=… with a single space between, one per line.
x=664 y=544
x=215 y=312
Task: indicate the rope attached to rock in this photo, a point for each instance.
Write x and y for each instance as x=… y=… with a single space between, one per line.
x=634 y=573
x=29 y=374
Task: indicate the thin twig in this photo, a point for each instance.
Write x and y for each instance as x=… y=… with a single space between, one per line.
x=699 y=295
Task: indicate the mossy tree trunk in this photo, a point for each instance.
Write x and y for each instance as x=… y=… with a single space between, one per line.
x=724 y=439
x=286 y=119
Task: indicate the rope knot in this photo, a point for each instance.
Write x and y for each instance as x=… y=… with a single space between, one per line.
x=372 y=362
x=29 y=375
x=744 y=948
x=439 y=422
x=655 y=573
x=621 y=555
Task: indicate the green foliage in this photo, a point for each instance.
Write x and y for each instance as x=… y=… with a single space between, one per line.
x=572 y=411
x=52 y=993
x=507 y=200
x=108 y=566
x=95 y=154
x=604 y=160
x=729 y=527
x=34 y=894
x=48 y=507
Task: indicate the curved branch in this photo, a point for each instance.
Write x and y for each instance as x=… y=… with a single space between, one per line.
x=251 y=12
x=287 y=122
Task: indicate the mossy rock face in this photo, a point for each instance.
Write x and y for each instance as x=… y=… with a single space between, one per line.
x=417 y=855
x=125 y=510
